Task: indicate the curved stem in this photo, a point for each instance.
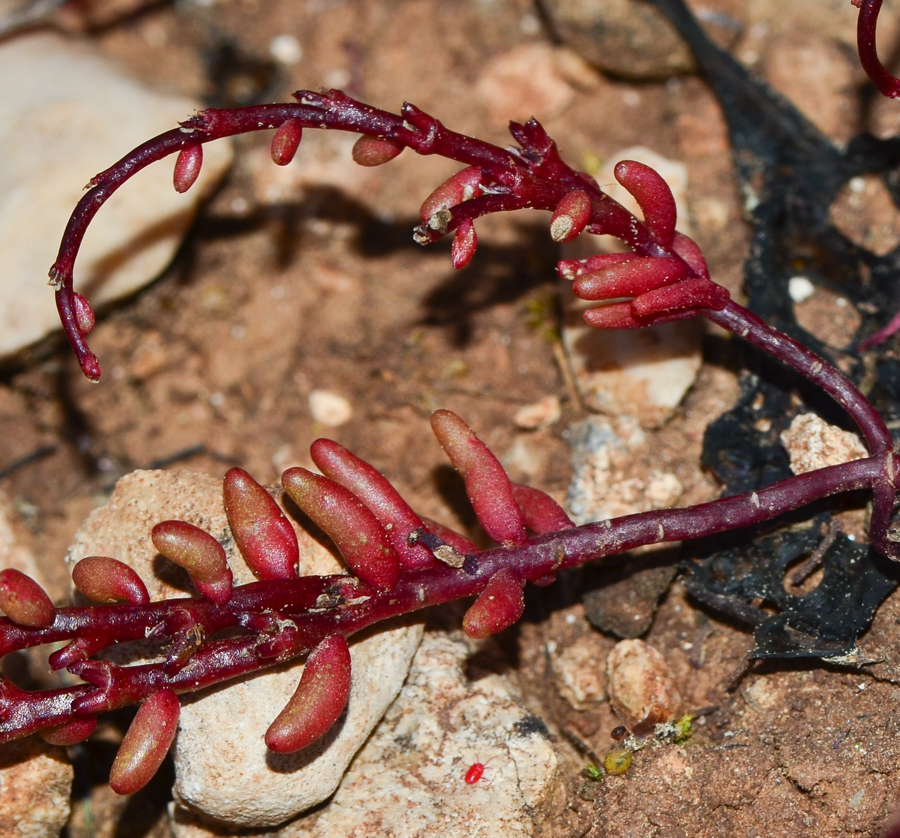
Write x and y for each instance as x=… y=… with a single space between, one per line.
x=866 y=27
x=743 y=323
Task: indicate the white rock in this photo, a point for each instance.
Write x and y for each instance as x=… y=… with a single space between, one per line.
x=637 y=372
x=539 y=414
x=409 y=779
x=329 y=408
x=812 y=444
x=614 y=472
x=222 y=766
x=69 y=115
x=35 y=778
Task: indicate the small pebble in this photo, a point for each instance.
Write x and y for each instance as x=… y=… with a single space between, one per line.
x=329 y=408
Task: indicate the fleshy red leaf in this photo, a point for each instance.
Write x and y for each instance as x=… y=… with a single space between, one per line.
x=371 y=487
x=488 y=487
x=375 y=151
x=263 y=533
x=187 y=167
x=629 y=278
x=286 y=141
x=24 y=601
x=350 y=525
x=108 y=580
x=146 y=743
x=199 y=554
x=653 y=196
x=321 y=697
x=542 y=513
x=498 y=606
x=571 y=216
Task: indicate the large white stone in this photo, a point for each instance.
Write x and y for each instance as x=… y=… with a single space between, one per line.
x=67 y=115
x=223 y=768
x=409 y=779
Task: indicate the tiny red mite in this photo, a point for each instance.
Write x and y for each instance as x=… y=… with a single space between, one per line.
x=476 y=771
x=473 y=775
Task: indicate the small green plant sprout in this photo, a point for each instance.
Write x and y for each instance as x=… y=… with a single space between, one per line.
x=592 y=772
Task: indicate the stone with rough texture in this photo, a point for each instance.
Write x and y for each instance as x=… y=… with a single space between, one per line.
x=69 y=115
x=35 y=778
x=35 y=786
x=812 y=444
x=223 y=768
x=409 y=779
x=640 y=685
x=623 y=37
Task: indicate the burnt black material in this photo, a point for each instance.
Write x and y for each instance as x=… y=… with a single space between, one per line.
x=790 y=174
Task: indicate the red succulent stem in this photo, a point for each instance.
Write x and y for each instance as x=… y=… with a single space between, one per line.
x=284 y=619
x=743 y=323
x=866 y=27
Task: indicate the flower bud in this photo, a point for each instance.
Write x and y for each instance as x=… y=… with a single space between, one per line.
x=286 y=141
x=187 y=167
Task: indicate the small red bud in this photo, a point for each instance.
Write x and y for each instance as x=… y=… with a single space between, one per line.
x=375 y=151
x=321 y=697
x=24 y=601
x=199 y=554
x=571 y=216
x=107 y=580
x=464 y=243
x=286 y=141
x=498 y=606
x=460 y=187
x=263 y=534
x=146 y=743
x=187 y=167
x=84 y=314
